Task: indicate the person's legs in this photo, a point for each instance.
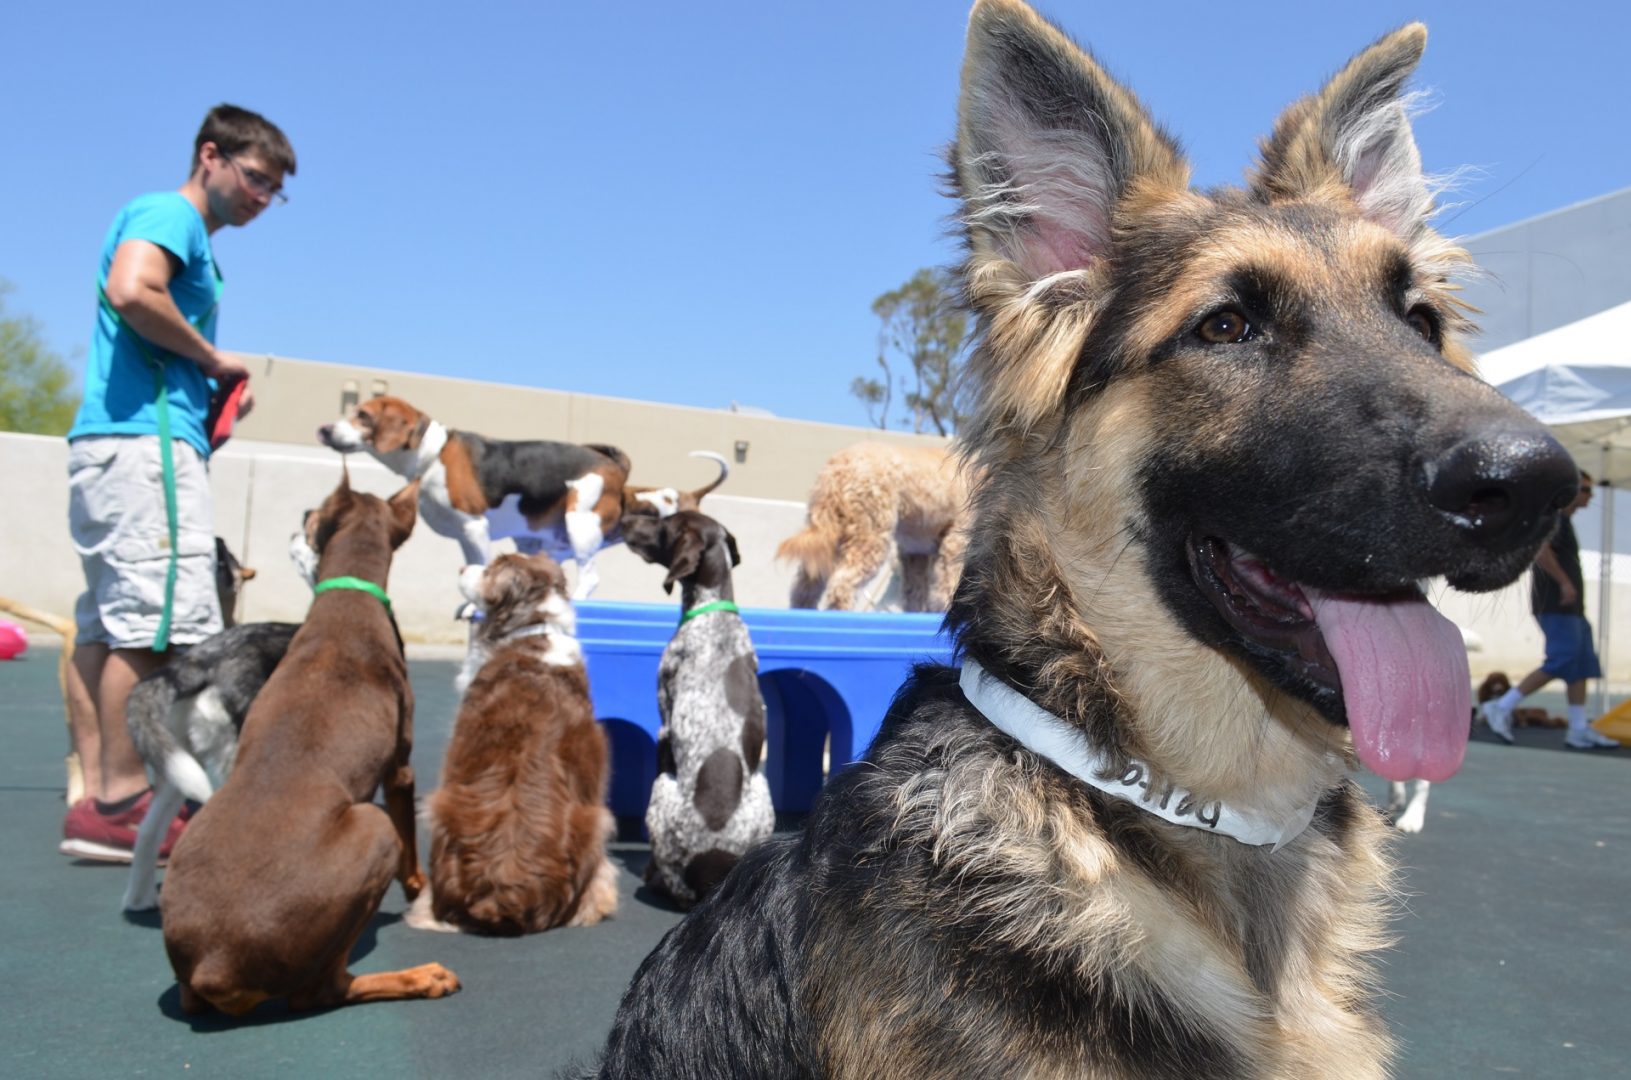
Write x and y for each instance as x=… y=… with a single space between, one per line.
x=117 y=517
x=85 y=672
x=1497 y=712
x=123 y=774
x=1532 y=682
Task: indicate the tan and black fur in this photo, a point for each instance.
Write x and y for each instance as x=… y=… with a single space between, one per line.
x=1200 y=416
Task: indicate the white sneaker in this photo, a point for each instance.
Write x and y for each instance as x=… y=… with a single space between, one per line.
x=1499 y=719
x=1589 y=739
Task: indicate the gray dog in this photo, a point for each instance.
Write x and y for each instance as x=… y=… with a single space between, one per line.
x=710 y=802
x=185 y=719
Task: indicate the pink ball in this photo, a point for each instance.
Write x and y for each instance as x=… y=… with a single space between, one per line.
x=13 y=640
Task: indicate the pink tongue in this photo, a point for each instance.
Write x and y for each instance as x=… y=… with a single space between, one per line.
x=1404 y=680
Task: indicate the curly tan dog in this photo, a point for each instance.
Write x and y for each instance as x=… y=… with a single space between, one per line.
x=872 y=501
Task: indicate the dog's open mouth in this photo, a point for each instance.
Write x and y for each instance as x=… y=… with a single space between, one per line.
x=1386 y=664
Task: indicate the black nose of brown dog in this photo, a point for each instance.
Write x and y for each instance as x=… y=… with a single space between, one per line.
x=1497 y=487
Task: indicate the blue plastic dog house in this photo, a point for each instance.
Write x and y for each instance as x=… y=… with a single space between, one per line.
x=821 y=672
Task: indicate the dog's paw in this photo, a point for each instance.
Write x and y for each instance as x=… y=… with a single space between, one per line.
x=436 y=981
x=1412 y=820
x=147 y=901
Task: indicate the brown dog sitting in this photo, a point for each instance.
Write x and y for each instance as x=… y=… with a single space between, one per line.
x=519 y=825
x=276 y=878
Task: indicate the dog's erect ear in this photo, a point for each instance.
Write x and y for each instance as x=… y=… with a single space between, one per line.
x=404 y=510
x=1356 y=133
x=1047 y=144
x=730 y=542
x=642 y=533
x=685 y=555
x=1048 y=148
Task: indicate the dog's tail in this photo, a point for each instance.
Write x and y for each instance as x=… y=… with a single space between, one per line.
x=724 y=471
x=812 y=548
x=614 y=453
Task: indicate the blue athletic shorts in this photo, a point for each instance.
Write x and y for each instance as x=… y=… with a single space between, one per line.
x=1569 y=652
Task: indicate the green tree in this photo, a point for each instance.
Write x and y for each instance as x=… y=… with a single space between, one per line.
x=37 y=392
x=924 y=332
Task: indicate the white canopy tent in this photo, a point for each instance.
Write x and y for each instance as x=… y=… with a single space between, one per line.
x=1576 y=380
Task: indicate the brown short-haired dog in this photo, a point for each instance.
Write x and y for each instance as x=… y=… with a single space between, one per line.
x=275 y=879
x=519 y=825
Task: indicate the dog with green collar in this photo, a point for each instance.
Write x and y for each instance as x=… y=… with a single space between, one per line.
x=295 y=856
x=710 y=801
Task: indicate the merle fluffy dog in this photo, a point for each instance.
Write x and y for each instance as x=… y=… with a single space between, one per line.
x=185 y=719
x=710 y=802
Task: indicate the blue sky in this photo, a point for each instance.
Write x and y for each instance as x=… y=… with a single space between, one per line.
x=690 y=203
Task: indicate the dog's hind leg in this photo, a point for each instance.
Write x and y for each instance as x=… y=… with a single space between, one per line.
x=948 y=567
x=399 y=805
x=860 y=560
x=596 y=880
x=807 y=589
x=914 y=573
x=357 y=862
x=141 y=893
x=1395 y=800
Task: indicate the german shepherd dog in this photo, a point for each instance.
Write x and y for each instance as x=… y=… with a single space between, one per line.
x=1221 y=439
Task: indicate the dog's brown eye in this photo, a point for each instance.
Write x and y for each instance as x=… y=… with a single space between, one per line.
x=1423 y=322
x=1224 y=327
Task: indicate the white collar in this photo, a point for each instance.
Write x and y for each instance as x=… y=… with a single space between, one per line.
x=1044 y=734
x=530 y=630
x=430 y=448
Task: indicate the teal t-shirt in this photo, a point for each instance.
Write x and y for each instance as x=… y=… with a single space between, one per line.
x=118 y=379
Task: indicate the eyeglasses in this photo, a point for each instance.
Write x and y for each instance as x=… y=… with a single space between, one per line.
x=258 y=181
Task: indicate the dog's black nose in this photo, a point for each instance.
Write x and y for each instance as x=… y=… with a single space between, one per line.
x=1496 y=487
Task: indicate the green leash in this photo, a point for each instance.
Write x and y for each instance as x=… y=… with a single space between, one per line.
x=353 y=584
x=161 y=406
x=703 y=609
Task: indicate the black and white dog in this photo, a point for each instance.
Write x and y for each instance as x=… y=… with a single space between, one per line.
x=710 y=802
x=185 y=718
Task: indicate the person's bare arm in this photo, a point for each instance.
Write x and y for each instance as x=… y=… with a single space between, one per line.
x=139 y=290
x=1547 y=561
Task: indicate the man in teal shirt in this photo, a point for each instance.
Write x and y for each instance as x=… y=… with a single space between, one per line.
x=159 y=290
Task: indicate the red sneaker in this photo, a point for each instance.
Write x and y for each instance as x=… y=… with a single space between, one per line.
x=88 y=833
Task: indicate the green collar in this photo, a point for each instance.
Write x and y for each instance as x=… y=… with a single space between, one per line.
x=356 y=584
x=703 y=609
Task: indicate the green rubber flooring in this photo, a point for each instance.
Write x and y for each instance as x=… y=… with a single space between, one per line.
x=1514 y=951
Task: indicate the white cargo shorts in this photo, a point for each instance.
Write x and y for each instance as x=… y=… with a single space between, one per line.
x=117 y=519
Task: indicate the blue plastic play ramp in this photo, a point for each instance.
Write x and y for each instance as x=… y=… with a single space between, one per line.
x=823 y=674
